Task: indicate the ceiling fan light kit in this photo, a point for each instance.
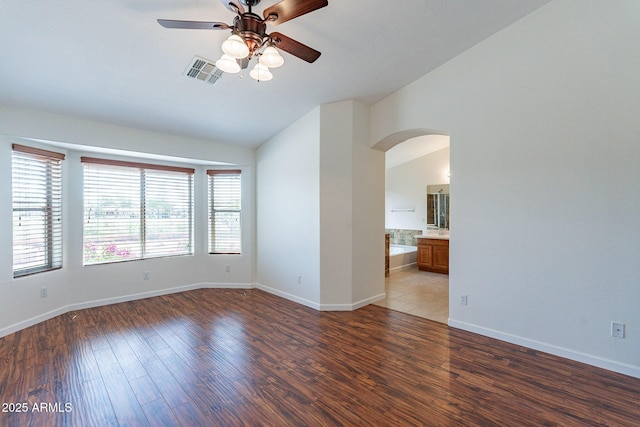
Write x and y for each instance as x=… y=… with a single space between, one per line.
x=271 y=57
x=235 y=47
x=261 y=73
x=228 y=64
x=249 y=35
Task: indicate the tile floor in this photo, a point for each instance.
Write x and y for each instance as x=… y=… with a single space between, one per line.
x=420 y=293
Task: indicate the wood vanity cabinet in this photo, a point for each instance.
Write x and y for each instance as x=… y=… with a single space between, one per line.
x=433 y=255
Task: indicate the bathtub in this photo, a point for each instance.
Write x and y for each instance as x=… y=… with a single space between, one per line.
x=402 y=257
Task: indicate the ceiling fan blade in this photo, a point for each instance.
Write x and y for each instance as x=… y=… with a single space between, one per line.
x=235 y=7
x=289 y=9
x=193 y=25
x=295 y=48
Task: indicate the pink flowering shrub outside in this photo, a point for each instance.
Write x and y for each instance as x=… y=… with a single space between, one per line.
x=110 y=252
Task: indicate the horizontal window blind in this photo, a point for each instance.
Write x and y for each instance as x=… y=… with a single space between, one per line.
x=225 y=214
x=168 y=213
x=112 y=214
x=37 y=210
x=136 y=211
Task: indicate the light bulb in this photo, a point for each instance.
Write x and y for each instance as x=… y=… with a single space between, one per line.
x=228 y=64
x=271 y=57
x=261 y=72
x=235 y=47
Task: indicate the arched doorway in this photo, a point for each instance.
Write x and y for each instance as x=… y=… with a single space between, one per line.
x=416 y=159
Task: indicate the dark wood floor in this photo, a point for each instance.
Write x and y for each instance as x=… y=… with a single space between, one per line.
x=234 y=357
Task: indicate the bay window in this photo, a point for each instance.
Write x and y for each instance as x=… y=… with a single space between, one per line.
x=136 y=211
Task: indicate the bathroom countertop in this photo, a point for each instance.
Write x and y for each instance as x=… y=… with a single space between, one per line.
x=434 y=236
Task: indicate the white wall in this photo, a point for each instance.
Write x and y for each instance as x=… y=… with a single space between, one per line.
x=336 y=211
x=75 y=286
x=406 y=188
x=288 y=212
x=322 y=173
x=352 y=218
x=368 y=213
x=545 y=169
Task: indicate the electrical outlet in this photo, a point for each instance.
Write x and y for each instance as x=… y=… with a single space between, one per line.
x=43 y=292
x=617 y=330
x=299 y=279
x=463 y=299
x=227 y=268
x=145 y=275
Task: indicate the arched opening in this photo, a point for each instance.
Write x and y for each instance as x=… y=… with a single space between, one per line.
x=417 y=163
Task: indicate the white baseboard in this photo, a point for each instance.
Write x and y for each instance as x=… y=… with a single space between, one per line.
x=288 y=296
x=611 y=365
x=228 y=285
x=336 y=307
x=359 y=304
x=321 y=307
x=133 y=297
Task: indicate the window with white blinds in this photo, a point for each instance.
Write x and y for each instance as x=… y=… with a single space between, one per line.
x=36 y=180
x=136 y=211
x=225 y=214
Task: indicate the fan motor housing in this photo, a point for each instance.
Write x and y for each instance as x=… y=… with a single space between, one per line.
x=251 y=28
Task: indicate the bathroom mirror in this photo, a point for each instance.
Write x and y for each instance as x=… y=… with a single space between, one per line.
x=438 y=206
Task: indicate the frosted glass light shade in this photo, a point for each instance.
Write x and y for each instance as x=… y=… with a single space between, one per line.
x=235 y=47
x=271 y=57
x=228 y=64
x=261 y=73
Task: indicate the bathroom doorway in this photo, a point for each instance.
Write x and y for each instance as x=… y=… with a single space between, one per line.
x=410 y=166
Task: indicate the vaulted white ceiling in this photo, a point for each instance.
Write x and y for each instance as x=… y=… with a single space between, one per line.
x=111 y=61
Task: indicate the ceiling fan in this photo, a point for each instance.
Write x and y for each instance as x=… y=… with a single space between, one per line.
x=249 y=35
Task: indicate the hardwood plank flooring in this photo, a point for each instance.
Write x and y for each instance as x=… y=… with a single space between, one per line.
x=219 y=357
